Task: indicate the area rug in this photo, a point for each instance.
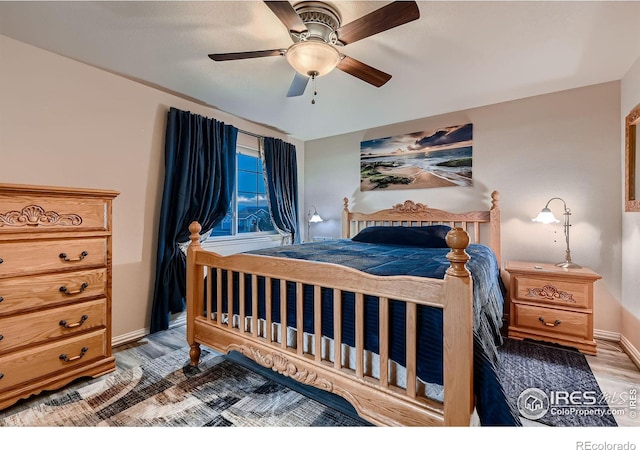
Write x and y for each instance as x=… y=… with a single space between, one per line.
x=552 y=385
x=167 y=392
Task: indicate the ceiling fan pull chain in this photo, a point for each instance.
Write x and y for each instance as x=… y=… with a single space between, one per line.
x=315 y=92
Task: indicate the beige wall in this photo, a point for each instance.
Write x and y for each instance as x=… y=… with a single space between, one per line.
x=65 y=123
x=630 y=98
x=69 y=124
x=565 y=144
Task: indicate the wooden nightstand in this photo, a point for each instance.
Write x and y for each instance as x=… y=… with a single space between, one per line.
x=552 y=304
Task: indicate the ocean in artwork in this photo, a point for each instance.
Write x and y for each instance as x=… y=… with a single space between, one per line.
x=418 y=160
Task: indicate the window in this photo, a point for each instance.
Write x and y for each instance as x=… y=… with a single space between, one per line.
x=249 y=210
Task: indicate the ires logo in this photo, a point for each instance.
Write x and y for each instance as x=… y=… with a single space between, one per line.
x=575 y=398
x=534 y=403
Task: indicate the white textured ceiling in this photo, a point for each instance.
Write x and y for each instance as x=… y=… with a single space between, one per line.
x=458 y=55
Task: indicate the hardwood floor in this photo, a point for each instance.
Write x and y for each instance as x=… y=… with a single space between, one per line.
x=617 y=376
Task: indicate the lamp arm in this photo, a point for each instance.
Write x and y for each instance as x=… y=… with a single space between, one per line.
x=557 y=198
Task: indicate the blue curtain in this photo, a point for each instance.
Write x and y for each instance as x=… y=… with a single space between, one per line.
x=200 y=167
x=281 y=178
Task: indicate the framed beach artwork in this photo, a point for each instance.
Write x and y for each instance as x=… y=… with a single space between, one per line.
x=425 y=159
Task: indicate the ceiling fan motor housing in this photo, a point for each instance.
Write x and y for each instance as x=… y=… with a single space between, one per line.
x=321 y=21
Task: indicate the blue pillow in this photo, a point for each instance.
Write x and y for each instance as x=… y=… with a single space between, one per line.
x=425 y=236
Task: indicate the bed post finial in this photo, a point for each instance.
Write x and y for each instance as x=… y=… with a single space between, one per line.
x=495 y=200
x=346 y=203
x=458 y=240
x=194 y=229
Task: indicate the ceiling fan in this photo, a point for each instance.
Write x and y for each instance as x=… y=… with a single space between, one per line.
x=318 y=34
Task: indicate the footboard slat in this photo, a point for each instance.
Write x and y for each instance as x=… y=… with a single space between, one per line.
x=254 y=305
x=337 y=328
x=411 y=324
x=317 y=322
x=218 y=297
x=241 y=287
x=359 y=310
x=283 y=314
x=268 y=303
x=299 y=319
x=384 y=341
x=229 y=299
x=209 y=294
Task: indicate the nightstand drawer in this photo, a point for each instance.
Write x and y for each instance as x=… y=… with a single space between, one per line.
x=551 y=321
x=549 y=291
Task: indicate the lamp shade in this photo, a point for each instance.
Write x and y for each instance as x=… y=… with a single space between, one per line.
x=545 y=216
x=313 y=57
x=315 y=218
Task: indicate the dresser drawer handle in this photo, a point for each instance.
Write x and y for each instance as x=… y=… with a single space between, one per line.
x=64 y=324
x=1 y=260
x=1 y=299
x=1 y=376
x=549 y=324
x=65 y=358
x=83 y=286
x=83 y=255
x=1 y=337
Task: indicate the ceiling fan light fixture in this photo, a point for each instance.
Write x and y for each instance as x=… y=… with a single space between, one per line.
x=313 y=57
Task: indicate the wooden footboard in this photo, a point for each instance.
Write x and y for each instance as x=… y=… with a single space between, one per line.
x=375 y=398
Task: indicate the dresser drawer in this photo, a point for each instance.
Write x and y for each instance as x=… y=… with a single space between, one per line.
x=26 y=293
x=26 y=329
x=550 y=291
x=47 y=359
x=37 y=214
x=551 y=321
x=55 y=255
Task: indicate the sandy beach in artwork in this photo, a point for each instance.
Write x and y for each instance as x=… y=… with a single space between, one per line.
x=419 y=179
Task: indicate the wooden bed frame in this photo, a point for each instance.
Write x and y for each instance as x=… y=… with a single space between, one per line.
x=375 y=399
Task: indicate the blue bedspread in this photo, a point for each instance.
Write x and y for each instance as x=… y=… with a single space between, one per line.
x=385 y=260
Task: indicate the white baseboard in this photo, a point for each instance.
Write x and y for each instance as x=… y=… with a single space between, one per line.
x=175 y=321
x=129 y=337
x=627 y=346
x=630 y=350
x=606 y=335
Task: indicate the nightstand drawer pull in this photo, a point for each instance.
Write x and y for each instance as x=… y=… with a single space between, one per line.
x=83 y=286
x=1 y=299
x=83 y=255
x=1 y=337
x=549 y=324
x=1 y=376
x=1 y=260
x=64 y=324
x=74 y=358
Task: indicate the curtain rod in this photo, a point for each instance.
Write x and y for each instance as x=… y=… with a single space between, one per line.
x=249 y=133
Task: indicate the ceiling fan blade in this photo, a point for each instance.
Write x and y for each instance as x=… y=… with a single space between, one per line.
x=287 y=15
x=298 y=85
x=246 y=55
x=364 y=72
x=389 y=16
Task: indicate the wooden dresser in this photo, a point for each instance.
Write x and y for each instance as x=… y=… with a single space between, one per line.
x=55 y=287
x=553 y=304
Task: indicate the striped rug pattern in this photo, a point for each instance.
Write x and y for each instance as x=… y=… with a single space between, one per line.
x=167 y=392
